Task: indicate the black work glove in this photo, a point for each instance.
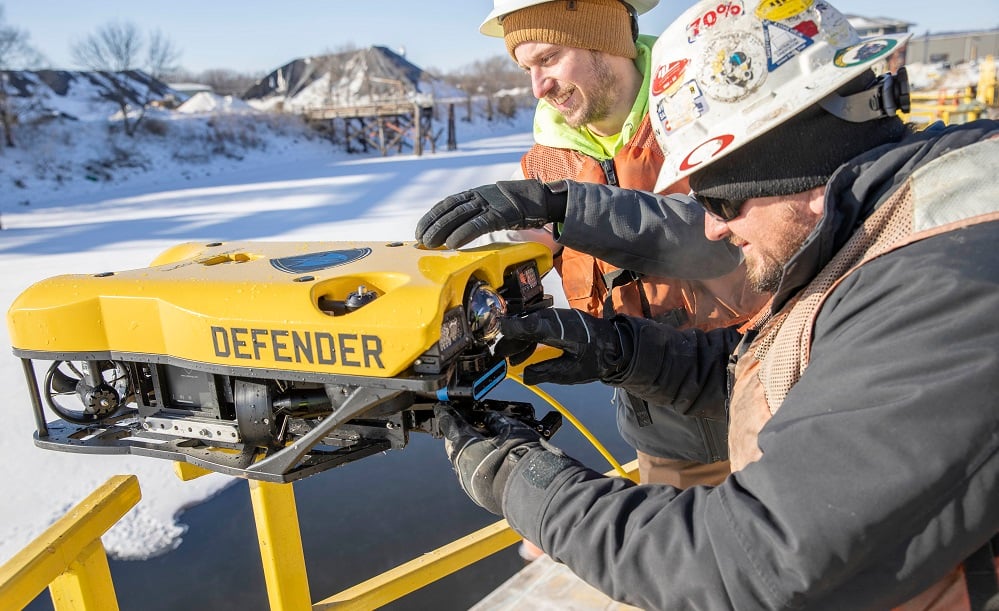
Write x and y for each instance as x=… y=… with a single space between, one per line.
x=483 y=462
x=512 y=204
x=592 y=348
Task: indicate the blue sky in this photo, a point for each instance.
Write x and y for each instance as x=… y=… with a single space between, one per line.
x=260 y=35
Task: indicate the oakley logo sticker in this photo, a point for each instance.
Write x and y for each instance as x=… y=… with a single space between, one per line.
x=706 y=151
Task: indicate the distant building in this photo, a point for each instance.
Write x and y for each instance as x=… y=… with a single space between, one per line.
x=933 y=47
x=954 y=47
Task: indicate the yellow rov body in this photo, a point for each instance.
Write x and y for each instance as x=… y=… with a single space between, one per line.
x=271 y=360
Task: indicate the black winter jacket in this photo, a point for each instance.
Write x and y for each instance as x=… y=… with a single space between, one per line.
x=880 y=471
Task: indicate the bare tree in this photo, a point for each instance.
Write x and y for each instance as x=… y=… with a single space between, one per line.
x=15 y=52
x=114 y=51
x=114 y=47
x=484 y=78
x=161 y=56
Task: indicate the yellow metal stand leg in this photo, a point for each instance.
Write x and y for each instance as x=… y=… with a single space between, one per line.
x=276 y=515
x=86 y=584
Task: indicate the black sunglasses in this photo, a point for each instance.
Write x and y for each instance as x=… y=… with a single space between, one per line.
x=722 y=209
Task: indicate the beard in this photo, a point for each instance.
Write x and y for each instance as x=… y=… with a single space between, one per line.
x=599 y=96
x=770 y=253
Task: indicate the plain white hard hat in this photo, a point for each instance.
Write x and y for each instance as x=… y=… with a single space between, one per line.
x=727 y=71
x=492 y=26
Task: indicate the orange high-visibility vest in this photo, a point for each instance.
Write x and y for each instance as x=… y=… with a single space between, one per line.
x=601 y=289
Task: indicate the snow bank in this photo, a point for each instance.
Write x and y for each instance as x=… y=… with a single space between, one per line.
x=205 y=102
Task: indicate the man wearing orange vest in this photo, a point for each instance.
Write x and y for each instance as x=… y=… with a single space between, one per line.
x=590 y=71
x=862 y=402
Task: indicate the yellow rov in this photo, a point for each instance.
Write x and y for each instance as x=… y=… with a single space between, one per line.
x=272 y=360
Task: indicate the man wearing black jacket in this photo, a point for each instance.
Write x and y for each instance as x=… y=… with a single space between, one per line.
x=864 y=426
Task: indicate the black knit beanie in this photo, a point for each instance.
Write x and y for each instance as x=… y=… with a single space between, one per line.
x=795 y=156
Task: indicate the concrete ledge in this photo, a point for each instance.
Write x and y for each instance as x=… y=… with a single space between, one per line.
x=545 y=585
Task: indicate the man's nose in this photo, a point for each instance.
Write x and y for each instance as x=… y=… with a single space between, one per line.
x=541 y=84
x=714 y=228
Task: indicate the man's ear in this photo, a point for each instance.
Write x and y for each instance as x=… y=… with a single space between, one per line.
x=817 y=201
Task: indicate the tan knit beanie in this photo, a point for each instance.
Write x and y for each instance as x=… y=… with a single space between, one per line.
x=601 y=25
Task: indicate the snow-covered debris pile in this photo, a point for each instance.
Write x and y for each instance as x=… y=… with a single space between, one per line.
x=81 y=95
x=347 y=79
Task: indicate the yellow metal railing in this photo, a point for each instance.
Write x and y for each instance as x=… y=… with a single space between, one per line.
x=70 y=560
x=419 y=572
x=949 y=106
x=69 y=557
x=413 y=575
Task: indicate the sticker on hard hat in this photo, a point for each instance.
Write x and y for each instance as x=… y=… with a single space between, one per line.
x=836 y=29
x=733 y=66
x=807 y=28
x=706 y=151
x=782 y=43
x=864 y=52
x=681 y=108
x=712 y=17
x=779 y=10
x=315 y=261
x=668 y=76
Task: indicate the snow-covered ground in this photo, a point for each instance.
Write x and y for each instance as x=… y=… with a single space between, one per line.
x=63 y=212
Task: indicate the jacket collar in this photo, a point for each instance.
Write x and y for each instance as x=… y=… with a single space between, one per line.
x=862 y=184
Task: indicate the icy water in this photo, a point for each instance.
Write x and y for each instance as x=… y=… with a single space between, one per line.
x=357 y=521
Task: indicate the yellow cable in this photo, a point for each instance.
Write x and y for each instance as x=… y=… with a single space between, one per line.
x=575 y=422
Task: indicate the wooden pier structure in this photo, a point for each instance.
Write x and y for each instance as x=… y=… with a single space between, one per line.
x=384 y=126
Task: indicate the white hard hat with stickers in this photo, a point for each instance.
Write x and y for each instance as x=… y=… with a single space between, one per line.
x=726 y=71
x=493 y=24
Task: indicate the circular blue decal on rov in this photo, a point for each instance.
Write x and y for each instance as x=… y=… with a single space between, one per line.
x=315 y=261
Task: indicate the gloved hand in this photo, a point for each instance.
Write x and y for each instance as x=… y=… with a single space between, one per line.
x=483 y=463
x=511 y=204
x=592 y=348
